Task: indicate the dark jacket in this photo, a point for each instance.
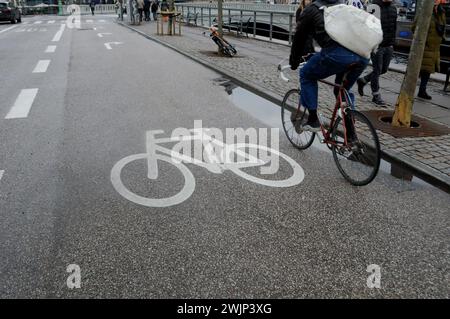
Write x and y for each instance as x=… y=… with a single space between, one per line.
x=154 y=6
x=388 y=17
x=311 y=22
x=431 y=55
x=146 y=5
x=298 y=13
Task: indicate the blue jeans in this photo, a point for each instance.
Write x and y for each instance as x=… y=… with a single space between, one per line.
x=329 y=61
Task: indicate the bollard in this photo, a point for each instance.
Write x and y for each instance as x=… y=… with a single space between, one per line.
x=290 y=29
x=254 y=24
x=271 y=26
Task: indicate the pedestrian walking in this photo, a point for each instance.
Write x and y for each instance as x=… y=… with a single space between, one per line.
x=164 y=6
x=140 y=7
x=154 y=8
x=119 y=8
x=382 y=57
x=147 y=10
x=431 y=55
x=92 y=6
x=309 y=45
x=300 y=9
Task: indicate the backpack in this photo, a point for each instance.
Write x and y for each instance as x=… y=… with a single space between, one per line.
x=353 y=28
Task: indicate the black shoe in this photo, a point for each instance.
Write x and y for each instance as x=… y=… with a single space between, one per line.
x=378 y=101
x=424 y=95
x=312 y=126
x=361 y=85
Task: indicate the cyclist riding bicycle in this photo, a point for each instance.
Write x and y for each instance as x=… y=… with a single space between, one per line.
x=332 y=59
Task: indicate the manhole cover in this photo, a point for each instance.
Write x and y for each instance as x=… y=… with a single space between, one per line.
x=420 y=127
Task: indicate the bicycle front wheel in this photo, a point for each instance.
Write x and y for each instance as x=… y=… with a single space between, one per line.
x=294 y=116
x=359 y=160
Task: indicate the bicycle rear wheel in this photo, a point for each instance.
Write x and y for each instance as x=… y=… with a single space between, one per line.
x=359 y=160
x=293 y=116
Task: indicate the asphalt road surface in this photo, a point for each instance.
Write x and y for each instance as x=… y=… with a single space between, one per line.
x=70 y=113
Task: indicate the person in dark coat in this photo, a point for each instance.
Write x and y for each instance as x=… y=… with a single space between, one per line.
x=154 y=8
x=431 y=55
x=164 y=6
x=301 y=7
x=92 y=6
x=147 y=10
x=382 y=57
x=309 y=46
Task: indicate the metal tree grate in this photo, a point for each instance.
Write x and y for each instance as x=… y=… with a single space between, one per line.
x=424 y=127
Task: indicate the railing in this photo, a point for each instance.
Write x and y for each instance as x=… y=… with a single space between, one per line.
x=99 y=9
x=274 y=21
x=289 y=8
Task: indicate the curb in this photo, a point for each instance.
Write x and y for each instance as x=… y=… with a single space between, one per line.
x=419 y=169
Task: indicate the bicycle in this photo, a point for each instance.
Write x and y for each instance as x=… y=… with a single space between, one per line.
x=224 y=46
x=349 y=134
x=155 y=153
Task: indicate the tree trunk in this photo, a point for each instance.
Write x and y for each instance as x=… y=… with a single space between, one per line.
x=403 y=107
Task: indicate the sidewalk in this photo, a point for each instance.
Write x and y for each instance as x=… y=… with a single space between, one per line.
x=254 y=68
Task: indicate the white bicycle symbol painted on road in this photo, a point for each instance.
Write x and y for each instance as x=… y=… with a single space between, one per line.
x=156 y=152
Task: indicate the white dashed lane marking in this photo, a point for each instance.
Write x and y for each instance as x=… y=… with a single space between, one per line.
x=4 y=30
x=23 y=104
x=41 y=66
x=50 y=49
x=58 y=34
x=1 y=174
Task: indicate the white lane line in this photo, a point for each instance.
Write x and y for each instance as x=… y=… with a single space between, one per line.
x=89 y=21
x=23 y=104
x=41 y=66
x=4 y=30
x=100 y=35
x=50 y=49
x=51 y=21
x=108 y=44
x=1 y=174
x=58 y=34
x=101 y=21
x=37 y=22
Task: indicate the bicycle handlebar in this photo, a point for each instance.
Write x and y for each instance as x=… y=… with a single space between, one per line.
x=281 y=69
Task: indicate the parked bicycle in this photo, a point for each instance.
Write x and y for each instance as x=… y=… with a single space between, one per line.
x=349 y=134
x=224 y=46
